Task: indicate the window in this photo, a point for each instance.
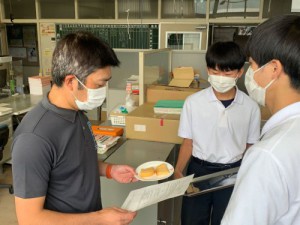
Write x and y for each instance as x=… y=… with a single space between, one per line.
x=278 y=7
x=14 y=9
x=62 y=9
x=96 y=9
x=234 y=8
x=183 y=9
x=136 y=9
x=184 y=40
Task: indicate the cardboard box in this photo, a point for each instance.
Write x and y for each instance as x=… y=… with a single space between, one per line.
x=182 y=77
x=144 y=124
x=103 y=116
x=168 y=106
x=156 y=92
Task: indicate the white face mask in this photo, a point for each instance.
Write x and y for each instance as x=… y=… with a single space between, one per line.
x=95 y=98
x=256 y=92
x=220 y=83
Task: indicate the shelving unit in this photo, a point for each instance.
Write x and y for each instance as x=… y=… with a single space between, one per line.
x=169 y=15
x=167 y=10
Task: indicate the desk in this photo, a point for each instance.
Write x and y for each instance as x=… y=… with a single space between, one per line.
x=20 y=104
x=134 y=153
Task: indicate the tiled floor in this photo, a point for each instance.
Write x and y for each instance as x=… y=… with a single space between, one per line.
x=7 y=204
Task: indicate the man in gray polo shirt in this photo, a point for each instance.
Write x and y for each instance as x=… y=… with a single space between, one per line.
x=54 y=157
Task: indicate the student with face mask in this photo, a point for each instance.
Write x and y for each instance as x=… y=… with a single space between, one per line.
x=56 y=172
x=217 y=125
x=267 y=189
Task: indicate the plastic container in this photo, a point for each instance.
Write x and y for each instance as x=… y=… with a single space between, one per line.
x=12 y=86
x=118 y=114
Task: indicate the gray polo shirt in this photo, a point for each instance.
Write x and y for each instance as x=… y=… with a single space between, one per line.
x=54 y=155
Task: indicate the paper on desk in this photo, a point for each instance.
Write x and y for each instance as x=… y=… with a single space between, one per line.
x=140 y=198
x=5 y=110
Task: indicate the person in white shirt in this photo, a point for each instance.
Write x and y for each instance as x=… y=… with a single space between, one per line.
x=218 y=124
x=267 y=190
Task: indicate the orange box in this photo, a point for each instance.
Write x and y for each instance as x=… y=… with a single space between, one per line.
x=108 y=130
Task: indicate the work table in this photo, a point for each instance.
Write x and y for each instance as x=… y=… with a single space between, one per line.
x=134 y=153
x=20 y=103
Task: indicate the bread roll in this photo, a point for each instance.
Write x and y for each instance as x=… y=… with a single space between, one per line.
x=147 y=172
x=162 y=170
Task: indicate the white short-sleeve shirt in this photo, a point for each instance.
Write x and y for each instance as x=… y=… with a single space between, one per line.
x=267 y=190
x=219 y=134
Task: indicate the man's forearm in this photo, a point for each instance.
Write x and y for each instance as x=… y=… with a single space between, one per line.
x=47 y=217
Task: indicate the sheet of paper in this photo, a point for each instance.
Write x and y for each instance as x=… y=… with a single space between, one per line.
x=5 y=111
x=140 y=198
x=295 y=6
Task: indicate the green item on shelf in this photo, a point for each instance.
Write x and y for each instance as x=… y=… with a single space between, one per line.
x=169 y=104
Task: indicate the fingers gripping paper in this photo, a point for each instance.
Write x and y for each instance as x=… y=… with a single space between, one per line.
x=143 y=197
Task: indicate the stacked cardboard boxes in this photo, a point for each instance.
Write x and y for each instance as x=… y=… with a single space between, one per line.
x=158 y=92
x=39 y=85
x=144 y=124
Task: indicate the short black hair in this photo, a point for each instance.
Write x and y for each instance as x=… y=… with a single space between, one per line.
x=225 y=56
x=278 y=38
x=81 y=54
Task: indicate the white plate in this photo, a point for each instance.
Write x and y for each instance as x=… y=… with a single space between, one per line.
x=153 y=164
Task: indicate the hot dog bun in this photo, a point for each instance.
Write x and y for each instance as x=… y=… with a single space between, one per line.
x=162 y=170
x=147 y=172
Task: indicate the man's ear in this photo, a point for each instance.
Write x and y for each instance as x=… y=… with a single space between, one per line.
x=241 y=72
x=277 y=69
x=207 y=71
x=69 y=82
